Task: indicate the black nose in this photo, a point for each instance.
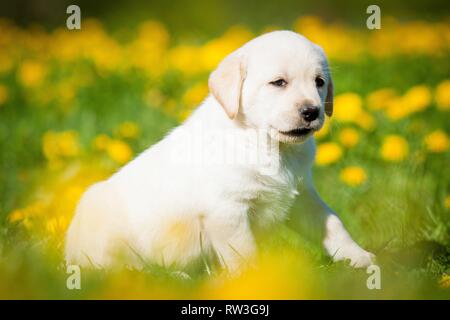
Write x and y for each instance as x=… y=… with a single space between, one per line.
x=309 y=113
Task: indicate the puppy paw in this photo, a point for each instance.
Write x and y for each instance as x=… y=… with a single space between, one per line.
x=362 y=260
x=359 y=258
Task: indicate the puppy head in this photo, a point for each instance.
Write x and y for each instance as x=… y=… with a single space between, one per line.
x=277 y=82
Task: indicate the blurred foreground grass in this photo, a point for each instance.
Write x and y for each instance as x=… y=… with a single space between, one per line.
x=76 y=105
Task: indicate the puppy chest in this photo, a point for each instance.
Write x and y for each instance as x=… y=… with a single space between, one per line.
x=273 y=200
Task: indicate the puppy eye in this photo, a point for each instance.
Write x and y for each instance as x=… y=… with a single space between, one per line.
x=279 y=83
x=319 y=82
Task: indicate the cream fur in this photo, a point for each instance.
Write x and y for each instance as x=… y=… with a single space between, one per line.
x=159 y=205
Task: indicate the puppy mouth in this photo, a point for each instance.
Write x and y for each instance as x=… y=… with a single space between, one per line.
x=298 y=132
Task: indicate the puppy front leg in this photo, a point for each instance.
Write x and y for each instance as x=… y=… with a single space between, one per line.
x=339 y=244
x=335 y=238
x=232 y=240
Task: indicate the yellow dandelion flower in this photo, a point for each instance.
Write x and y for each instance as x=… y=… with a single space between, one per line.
x=128 y=130
x=16 y=216
x=37 y=208
x=57 y=225
x=379 y=99
x=442 y=95
x=328 y=153
x=267 y=279
x=366 y=121
x=447 y=202
x=25 y=214
x=195 y=95
x=397 y=109
x=183 y=114
x=346 y=44
x=349 y=137
x=185 y=59
x=60 y=144
x=31 y=73
x=444 y=282
x=353 y=176
x=347 y=107
x=394 y=148
x=101 y=142
x=437 y=141
x=68 y=141
x=119 y=151
x=148 y=51
x=215 y=50
x=416 y=99
x=3 y=94
x=51 y=225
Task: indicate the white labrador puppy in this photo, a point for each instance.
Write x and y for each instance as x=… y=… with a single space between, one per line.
x=166 y=207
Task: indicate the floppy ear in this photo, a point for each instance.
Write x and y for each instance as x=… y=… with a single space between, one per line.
x=225 y=83
x=329 y=98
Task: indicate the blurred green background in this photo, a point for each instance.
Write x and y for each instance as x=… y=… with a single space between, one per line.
x=193 y=17
x=77 y=105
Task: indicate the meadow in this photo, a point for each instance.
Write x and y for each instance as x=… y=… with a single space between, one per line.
x=77 y=105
